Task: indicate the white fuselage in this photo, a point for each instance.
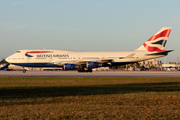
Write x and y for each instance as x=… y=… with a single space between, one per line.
x=55 y=58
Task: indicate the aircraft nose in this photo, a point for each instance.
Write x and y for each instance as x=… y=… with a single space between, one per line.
x=7 y=59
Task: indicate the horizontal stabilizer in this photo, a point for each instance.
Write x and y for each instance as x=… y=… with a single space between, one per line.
x=130 y=56
x=160 y=53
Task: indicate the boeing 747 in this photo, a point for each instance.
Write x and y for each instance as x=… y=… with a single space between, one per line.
x=87 y=60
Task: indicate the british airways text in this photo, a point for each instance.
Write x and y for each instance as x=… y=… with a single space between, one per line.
x=58 y=55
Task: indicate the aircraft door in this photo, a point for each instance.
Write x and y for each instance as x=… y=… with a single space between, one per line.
x=78 y=57
x=137 y=58
x=50 y=59
x=28 y=59
x=103 y=56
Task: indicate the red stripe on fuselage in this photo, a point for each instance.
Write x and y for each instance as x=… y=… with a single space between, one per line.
x=37 y=52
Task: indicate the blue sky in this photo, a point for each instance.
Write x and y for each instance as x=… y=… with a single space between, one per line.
x=86 y=25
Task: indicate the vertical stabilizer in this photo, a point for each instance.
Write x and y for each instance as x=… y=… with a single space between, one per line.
x=158 y=41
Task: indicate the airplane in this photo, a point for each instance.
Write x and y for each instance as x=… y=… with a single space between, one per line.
x=85 y=61
x=4 y=67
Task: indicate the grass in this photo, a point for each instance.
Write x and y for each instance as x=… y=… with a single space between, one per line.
x=89 y=98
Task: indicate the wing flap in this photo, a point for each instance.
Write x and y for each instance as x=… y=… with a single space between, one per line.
x=63 y=62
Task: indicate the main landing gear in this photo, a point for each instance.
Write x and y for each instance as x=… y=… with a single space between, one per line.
x=24 y=71
x=83 y=69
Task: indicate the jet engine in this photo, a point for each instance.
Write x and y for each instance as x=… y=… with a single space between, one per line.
x=69 y=66
x=91 y=65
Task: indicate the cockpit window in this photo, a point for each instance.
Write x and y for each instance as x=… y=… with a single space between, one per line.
x=18 y=52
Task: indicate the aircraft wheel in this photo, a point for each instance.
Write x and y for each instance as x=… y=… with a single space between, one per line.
x=24 y=71
x=80 y=70
x=90 y=70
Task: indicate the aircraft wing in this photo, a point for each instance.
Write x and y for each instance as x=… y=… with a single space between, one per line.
x=63 y=62
x=115 y=58
x=79 y=62
x=100 y=60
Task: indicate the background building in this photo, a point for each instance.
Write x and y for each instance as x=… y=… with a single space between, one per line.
x=151 y=63
x=171 y=66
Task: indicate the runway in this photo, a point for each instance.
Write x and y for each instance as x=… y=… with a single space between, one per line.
x=158 y=74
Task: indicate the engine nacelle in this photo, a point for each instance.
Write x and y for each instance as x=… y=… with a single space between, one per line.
x=69 y=66
x=91 y=65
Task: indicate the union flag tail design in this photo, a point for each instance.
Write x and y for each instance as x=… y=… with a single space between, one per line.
x=158 y=41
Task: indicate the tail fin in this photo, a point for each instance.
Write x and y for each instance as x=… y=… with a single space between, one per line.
x=158 y=41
